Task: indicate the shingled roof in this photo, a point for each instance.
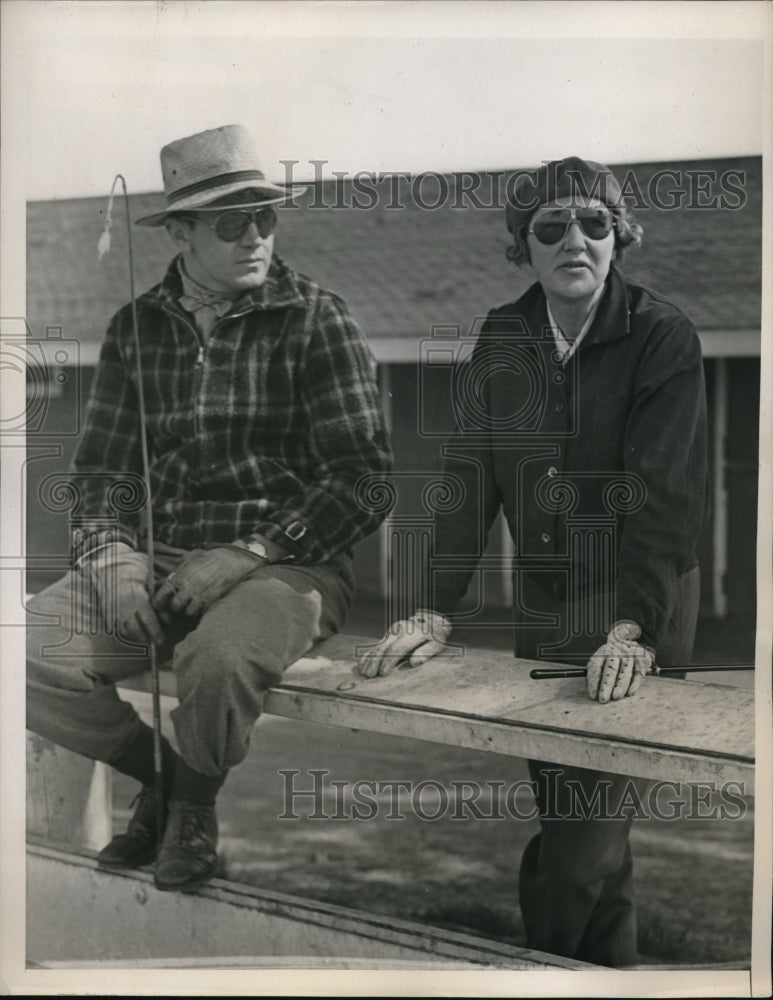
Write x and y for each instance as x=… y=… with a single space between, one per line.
x=403 y=270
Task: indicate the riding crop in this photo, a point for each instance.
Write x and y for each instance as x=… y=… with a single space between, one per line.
x=553 y=673
x=103 y=247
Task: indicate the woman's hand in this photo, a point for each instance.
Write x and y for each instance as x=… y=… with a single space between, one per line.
x=416 y=639
x=617 y=668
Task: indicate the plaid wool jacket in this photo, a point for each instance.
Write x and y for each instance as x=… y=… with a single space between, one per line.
x=267 y=428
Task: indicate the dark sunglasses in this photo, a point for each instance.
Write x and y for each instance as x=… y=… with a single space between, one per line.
x=552 y=225
x=230 y=226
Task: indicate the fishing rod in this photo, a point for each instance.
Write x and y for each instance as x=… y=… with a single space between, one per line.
x=554 y=673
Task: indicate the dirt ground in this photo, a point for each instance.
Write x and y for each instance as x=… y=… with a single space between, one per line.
x=693 y=876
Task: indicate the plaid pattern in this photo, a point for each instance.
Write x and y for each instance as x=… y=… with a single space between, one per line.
x=266 y=429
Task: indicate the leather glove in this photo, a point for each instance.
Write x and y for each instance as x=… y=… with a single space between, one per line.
x=202 y=577
x=617 y=668
x=120 y=577
x=416 y=639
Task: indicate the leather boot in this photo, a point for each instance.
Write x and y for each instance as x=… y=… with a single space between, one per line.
x=138 y=846
x=188 y=854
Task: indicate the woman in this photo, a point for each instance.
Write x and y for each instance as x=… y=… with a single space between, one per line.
x=582 y=415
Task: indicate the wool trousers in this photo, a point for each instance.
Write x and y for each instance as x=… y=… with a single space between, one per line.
x=223 y=663
x=576 y=876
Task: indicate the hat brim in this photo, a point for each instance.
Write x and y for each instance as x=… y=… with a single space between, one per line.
x=274 y=195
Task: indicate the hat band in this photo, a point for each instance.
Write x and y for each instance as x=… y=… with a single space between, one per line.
x=214 y=182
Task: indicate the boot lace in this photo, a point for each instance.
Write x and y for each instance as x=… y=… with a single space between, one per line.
x=192 y=823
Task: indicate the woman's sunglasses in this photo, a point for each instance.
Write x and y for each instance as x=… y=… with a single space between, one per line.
x=552 y=225
x=233 y=224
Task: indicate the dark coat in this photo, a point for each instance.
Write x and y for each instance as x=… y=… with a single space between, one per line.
x=599 y=463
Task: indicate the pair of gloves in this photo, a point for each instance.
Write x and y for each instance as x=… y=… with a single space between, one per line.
x=614 y=671
x=120 y=577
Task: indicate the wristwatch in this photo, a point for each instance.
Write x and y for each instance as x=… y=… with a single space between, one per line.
x=258 y=548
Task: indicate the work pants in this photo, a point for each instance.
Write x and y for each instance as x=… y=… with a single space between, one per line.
x=576 y=876
x=223 y=662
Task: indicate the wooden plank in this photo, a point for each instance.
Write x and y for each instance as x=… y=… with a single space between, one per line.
x=508 y=737
x=68 y=796
x=77 y=913
x=244 y=963
x=486 y=700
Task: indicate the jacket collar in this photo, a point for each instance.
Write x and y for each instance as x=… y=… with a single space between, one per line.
x=612 y=320
x=613 y=317
x=280 y=290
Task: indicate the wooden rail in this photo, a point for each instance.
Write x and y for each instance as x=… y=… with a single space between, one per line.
x=484 y=700
x=78 y=913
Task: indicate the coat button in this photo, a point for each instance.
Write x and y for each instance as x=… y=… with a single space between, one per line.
x=545 y=536
x=552 y=471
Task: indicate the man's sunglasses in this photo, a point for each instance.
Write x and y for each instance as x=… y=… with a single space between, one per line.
x=230 y=226
x=553 y=224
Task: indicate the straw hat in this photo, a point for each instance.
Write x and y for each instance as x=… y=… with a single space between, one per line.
x=208 y=166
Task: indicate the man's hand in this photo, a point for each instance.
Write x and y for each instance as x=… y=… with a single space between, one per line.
x=202 y=577
x=120 y=577
x=417 y=639
x=617 y=668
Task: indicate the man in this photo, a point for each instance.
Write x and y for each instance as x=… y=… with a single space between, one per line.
x=582 y=416
x=260 y=403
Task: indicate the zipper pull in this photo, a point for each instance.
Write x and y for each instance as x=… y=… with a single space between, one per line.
x=200 y=355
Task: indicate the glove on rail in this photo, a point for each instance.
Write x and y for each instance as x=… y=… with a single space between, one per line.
x=617 y=668
x=415 y=639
